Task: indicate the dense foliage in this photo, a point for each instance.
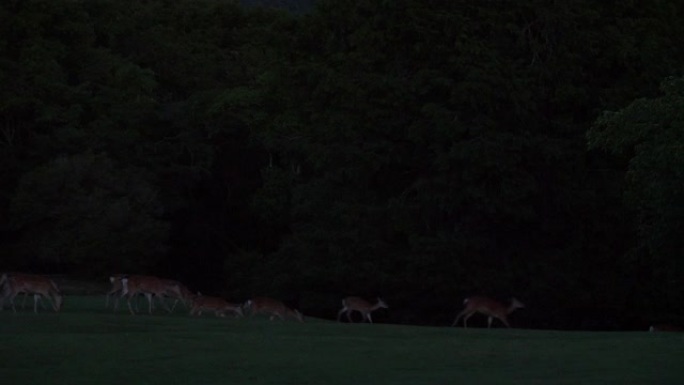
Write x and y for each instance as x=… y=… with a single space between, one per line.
x=420 y=151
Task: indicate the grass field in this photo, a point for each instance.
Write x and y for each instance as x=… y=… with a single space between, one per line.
x=86 y=344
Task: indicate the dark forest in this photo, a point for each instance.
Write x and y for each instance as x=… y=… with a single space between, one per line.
x=419 y=151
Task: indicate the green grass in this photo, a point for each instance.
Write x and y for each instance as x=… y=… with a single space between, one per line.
x=86 y=344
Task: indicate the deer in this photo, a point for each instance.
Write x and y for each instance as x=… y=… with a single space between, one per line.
x=116 y=289
x=489 y=307
x=351 y=304
x=149 y=286
x=37 y=285
x=272 y=307
x=5 y=291
x=183 y=294
x=218 y=305
x=6 y=284
x=665 y=328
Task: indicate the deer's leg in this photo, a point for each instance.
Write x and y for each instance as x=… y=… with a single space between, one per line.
x=465 y=320
x=458 y=317
x=130 y=308
x=339 y=314
x=12 y=297
x=36 y=297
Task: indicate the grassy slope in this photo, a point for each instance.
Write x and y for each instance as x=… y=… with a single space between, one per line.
x=88 y=345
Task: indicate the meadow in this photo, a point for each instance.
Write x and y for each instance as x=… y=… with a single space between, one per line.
x=88 y=344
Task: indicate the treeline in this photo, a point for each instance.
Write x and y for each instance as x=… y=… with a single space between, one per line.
x=417 y=151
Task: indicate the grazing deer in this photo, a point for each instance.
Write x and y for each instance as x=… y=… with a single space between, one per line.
x=351 y=304
x=5 y=291
x=218 y=305
x=183 y=294
x=6 y=282
x=37 y=285
x=489 y=307
x=272 y=307
x=149 y=286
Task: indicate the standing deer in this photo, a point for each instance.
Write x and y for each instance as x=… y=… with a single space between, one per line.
x=115 y=290
x=272 y=307
x=351 y=304
x=4 y=290
x=489 y=307
x=149 y=286
x=665 y=328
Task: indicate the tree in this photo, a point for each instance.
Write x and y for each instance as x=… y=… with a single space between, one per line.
x=86 y=214
x=649 y=133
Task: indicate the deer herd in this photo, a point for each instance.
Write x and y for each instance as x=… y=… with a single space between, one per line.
x=131 y=287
